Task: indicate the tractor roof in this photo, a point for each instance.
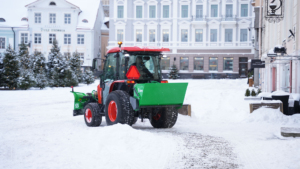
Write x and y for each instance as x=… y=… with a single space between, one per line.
x=138 y=49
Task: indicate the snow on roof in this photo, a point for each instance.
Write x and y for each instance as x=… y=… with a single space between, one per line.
x=13 y=11
x=89 y=11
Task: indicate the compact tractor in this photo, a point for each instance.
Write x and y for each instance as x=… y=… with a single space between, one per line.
x=131 y=87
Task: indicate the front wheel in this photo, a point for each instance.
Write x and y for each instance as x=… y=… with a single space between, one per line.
x=91 y=115
x=118 y=108
x=163 y=117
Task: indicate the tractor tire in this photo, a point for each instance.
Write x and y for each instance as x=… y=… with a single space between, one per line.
x=118 y=108
x=135 y=120
x=91 y=115
x=165 y=117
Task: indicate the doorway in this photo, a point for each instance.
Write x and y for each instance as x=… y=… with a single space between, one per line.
x=243 y=67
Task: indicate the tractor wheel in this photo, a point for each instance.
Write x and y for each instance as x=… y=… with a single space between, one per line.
x=163 y=117
x=118 y=108
x=91 y=116
x=135 y=120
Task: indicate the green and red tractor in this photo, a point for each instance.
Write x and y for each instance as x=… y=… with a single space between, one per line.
x=131 y=87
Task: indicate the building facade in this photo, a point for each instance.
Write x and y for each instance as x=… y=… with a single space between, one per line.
x=75 y=24
x=283 y=71
x=207 y=38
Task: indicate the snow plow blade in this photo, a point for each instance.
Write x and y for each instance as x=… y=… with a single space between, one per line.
x=79 y=101
x=160 y=94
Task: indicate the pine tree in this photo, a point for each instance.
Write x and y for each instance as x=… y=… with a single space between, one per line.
x=258 y=91
x=2 y=79
x=74 y=63
x=88 y=77
x=247 y=94
x=39 y=70
x=11 y=68
x=253 y=92
x=173 y=73
x=26 y=79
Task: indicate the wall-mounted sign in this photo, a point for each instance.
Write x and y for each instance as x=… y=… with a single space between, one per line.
x=256 y=63
x=274 y=10
x=52 y=30
x=272 y=54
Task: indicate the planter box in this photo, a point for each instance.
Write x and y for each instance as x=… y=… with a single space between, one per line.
x=186 y=110
x=290 y=132
x=254 y=106
x=252 y=98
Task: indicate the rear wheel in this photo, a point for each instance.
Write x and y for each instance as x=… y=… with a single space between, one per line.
x=91 y=115
x=118 y=108
x=163 y=117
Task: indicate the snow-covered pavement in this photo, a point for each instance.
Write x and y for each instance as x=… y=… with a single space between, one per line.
x=37 y=130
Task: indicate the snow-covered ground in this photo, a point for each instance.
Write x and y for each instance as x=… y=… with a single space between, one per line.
x=37 y=130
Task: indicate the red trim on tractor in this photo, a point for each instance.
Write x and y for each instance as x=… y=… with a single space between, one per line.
x=138 y=49
x=99 y=92
x=112 y=111
x=113 y=83
x=88 y=115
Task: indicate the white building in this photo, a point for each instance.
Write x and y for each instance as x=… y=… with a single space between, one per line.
x=207 y=38
x=75 y=24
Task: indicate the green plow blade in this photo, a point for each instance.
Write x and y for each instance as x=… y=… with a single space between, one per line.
x=78 y=100
x=160 y=94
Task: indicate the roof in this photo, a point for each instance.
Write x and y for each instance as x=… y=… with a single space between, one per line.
x=138 y=49
x=89 y=11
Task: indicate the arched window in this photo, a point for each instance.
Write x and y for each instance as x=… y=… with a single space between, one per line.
x=85 y=21
x=2 y=20
x=24 y=19
x=52 y=3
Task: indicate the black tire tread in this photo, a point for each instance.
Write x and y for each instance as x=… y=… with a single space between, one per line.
x=167 y=120
x=96 y=117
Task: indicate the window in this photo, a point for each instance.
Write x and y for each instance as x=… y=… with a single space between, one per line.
x=81 y=55
x=67 y=18
x=213 y=35
x=244 y=35
x=52 y=4
x=228 y=62
x=2 y=43
x=52 y=18
x=24 y=38
x=139 y=11
x=52 y=37
x=199 y=11
x=229 y=11
x=166 y=11
x=24 y=19
x=165 y=63
x=244 y=10
x=120 y=11
x=184 y=63
x=2 y=20
x=80 y=39
x=67 y=54
x=165 y=35
x=37 y=18
x=214 y=11
x=184 y=35
x=151 y=35
x=67 y=39
x=37 y=38
x=139 y=35
x=198 y=63
x=228 y=35
x=120 y=35
x=199 y=35
x=184 y=11
x=213 y=64
x=85 y=21
x=152 y=11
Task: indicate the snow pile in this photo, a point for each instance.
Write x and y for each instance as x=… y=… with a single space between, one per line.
x=280 y=93
x=273 y=116
x=125 y=147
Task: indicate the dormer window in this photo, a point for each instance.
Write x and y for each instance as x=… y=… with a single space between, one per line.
x=52 y=4
x=24 y=19
x=2 y=20
x=85 y=21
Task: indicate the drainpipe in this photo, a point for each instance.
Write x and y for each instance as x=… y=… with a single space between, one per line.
x=12 y=28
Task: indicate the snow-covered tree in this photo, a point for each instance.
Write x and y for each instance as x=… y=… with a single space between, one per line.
x=2 y=79
x=74 y=63
x=173 y=72
x=26 y=78
x=11 y=68
x=39 y=70
x=88 y=77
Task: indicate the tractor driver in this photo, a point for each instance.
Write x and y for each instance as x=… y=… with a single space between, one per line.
x=142 y=68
